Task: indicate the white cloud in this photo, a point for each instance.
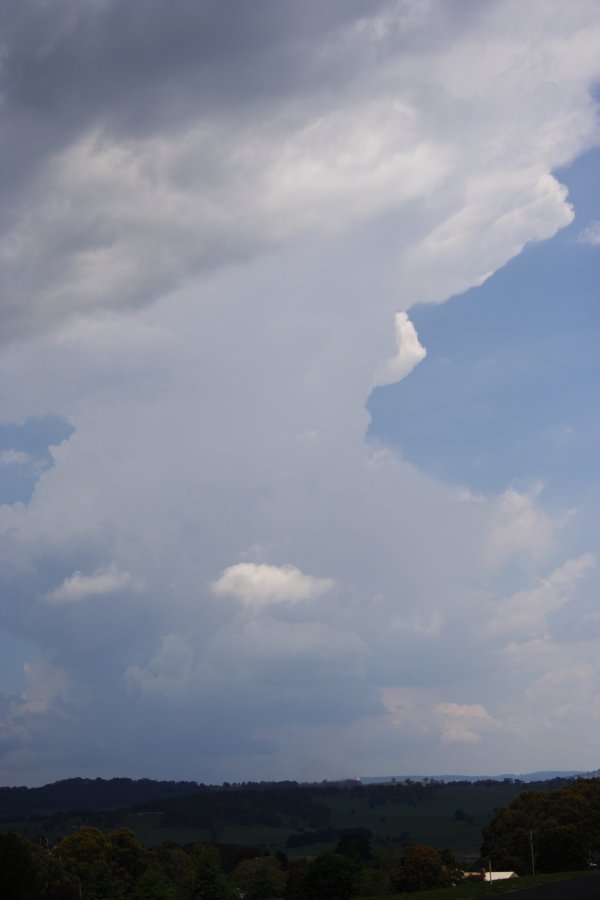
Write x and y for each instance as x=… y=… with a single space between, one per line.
x=258 y=585
x=410 y=353
x=463 y=710
x=504 y=210
x=103 y=581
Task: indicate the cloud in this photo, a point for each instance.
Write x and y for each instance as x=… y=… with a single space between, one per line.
x=45 y=683
x=525 y=615
x=506 y=210
x=111 y=209
x=465 y=710
x=167 y=672
x=457 y=733
x=410 y=353
x=203 y=262
x=461 y=720
x=591 y=234
x=78 y=586
x=13 y=457
x=196 y=200
x=448 y=723
x=521 y=529
x=258 y=585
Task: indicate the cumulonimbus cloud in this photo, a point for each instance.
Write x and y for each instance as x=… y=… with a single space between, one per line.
x=396 y=160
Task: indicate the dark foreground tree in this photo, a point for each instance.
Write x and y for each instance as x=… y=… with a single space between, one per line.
x=418 y=869
x=260 y=879
x=210 y=882
x=28 y=872
x=562 y=827
x=153 y=884
x=329 y=877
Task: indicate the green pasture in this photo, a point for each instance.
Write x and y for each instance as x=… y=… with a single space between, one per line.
x=476 y=890
x=431 y=822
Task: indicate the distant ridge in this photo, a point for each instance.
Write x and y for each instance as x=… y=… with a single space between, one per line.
x=527 y=777
x=87 y=793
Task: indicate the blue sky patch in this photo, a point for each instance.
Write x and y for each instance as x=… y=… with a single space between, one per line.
x=508 y=392
x=25 y=454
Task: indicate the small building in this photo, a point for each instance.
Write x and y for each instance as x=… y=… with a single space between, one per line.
x=498 y=876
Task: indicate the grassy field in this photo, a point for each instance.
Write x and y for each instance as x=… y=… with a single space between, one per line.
x=432 y=822
x=475 y=890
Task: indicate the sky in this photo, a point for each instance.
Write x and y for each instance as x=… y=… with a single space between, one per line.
x=299 y=388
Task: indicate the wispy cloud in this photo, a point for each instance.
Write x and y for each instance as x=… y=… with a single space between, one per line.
x=591 y=234
x=13 y=458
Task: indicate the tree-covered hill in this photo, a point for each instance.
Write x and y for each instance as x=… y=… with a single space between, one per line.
x=561 y=829
x=86 y=793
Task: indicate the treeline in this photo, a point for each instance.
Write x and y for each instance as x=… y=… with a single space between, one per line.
x=325 y=836
x=300 y=806
x=245 y=807
x=87 y=793
x=187 y=802
x=91 y=865
x=550 y=832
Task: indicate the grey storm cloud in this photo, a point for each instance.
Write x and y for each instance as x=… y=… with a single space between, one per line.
x=146 y=143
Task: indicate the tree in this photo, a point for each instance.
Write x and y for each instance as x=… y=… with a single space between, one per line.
x=355 y=847
x=209 y=882
x=85 y=855
x=562 y=825
x=260 y=879
x=29 y=871
x=296 y=875
x=418 y=869
x=329 y=877
x=177 y=866
x=153 y=884
x=561 y=849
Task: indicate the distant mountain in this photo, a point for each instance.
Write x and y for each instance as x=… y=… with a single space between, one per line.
x=549 y=776
x=527 y=777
